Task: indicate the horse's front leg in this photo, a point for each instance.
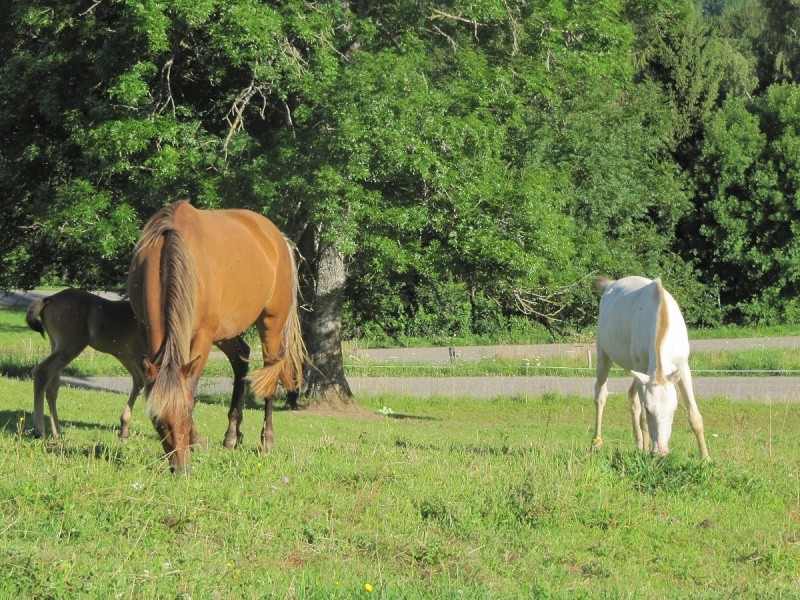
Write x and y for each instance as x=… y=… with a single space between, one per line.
x=638 y=420
x=695 y=418
x=238 y=353
x=200 y=349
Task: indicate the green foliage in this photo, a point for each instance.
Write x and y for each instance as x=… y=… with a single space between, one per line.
x=747 y=181
x=470 y=159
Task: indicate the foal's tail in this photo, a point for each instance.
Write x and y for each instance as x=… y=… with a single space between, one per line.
x=34 y=316
x=289 y=367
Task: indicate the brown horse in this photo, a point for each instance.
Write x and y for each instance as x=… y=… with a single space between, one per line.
x=74 y=319
x=199 y=276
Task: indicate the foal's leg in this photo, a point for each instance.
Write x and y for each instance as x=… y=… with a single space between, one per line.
x=46 y=381
x=695 y=418
x=238 y=353
x=600 y=395
x=137 y=384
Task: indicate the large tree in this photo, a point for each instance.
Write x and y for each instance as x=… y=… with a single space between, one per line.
x=442 y=167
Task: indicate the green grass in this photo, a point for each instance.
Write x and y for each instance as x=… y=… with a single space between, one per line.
x=743 y=332
x=447 y=498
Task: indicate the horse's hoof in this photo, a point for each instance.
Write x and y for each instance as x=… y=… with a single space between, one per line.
x=199 y=443
x=597 y=443
x=183 y=471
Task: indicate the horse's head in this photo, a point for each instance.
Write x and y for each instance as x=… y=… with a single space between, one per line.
x=170 y=402
x=659 y=401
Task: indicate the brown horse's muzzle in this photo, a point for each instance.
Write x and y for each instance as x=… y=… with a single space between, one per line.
x=175 y=441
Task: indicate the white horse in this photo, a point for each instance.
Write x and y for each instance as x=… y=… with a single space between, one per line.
x=641 y=329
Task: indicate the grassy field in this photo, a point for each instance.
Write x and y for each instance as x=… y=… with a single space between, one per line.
x=441 y=498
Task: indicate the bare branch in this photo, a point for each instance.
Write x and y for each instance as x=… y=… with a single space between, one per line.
x=449 y=39
x=289 y=121
x=91 y=8
x=549 y=303
x=235 y=116
x=515 y=27
x=166 y=77
x=440 y=14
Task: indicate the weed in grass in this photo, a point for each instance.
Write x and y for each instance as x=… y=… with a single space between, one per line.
x=669 y=474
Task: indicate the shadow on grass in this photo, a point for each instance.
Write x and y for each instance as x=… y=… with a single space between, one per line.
x=115 y=454
x=476 y=449
x=17 y=367
x=10 y=423
x=407 y=417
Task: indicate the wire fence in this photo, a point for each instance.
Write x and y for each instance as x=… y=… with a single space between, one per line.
x=457 y=369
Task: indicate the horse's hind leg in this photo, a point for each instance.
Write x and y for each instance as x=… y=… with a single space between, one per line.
x=265 y=380
x=52 y=397
x=46 y=381
x=238 y=353
x=600 y=395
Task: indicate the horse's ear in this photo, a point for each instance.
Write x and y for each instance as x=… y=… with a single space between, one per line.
x=674 y=377
x=187 y=368
x=643 y=378
x=149 y=369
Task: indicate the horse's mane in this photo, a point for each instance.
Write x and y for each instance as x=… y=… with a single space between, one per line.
x=662 y=324
x=178 y=295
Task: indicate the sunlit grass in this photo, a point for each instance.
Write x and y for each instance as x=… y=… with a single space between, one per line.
x=443 y=498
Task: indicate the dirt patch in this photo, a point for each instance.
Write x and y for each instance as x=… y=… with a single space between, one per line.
x=349 y=410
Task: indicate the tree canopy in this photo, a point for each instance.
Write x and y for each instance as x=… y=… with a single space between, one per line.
x=470 y=163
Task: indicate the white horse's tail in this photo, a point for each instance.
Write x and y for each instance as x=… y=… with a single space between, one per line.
x=601 y=283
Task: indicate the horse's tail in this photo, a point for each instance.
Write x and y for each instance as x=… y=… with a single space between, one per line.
x=289 y=367
x=296 y=353
x=34 y=315
x=601 y=283
x=179 y=295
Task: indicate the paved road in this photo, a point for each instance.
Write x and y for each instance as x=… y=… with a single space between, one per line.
x=776 y=390
x=760 y=389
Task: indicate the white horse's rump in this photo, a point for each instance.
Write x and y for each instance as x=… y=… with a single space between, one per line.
x=641 y=329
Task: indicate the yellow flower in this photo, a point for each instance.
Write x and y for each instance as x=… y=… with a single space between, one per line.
x=229 y=564
x=368 y=587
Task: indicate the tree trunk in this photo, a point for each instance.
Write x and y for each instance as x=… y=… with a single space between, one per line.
x=325 y=381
